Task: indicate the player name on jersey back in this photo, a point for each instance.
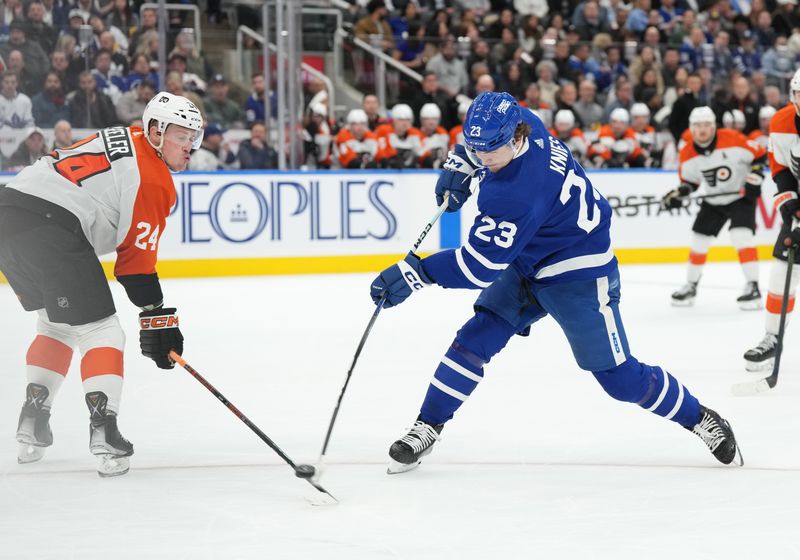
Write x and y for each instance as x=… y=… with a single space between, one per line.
x=117 y=143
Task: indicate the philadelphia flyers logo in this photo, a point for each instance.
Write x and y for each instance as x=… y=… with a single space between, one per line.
x=717 y=175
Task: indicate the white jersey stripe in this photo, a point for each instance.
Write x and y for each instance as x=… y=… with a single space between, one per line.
x=468 y=273
x=483 y=260
x=611 y=324
x=575 y=263
x=448 y=390
x=461 y=369
x=678 y=404
x=663 y=394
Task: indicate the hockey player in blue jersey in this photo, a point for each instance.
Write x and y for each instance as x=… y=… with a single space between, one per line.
x=539 y=246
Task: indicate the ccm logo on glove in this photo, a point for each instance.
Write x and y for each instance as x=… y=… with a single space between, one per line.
x=160 y=322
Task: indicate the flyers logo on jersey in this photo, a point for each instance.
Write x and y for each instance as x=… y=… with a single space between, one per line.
x=117 y=143
x=717 y=175
x=160 y=322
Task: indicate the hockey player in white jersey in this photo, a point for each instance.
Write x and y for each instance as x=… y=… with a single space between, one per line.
x=109 y=192
x=723 y=161
x=784 y=164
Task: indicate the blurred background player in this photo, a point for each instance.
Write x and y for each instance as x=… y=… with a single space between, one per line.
x=734 y=119
x=399 y=143
x=457 y=132
x=110 y=191
x=784 y=164
x=317 y=138
x=356 y=147
x=539 y=246
x=616 y=142
x=761 y=134
x=435 y=139
x=565 y=130
x=726 y=162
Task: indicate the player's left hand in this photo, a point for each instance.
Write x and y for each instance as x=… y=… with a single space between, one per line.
x=159 y=334
x=793 y=239
x=399 y=281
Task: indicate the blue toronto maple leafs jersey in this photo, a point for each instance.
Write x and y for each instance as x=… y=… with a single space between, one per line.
x=540 y=214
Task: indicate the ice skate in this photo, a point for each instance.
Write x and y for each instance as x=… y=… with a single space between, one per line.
x=685 y=296
x=718 y=436
x=750 y=298
x=105 y=440
x=33 y=431
x=407 y=452
x=762 y=357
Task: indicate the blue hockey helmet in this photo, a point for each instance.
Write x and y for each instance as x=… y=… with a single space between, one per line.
x=491 y=121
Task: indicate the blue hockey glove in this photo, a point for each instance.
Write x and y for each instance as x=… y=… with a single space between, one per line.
x=399 y=280
x=456 y=176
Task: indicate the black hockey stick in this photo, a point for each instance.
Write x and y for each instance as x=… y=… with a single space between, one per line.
x=749 y=388
x=378 y=308
x=658 y=201
x=306 y=472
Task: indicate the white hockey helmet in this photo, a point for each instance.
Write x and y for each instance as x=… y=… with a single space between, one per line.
x=640 y=110
x=727 y=119
x=794 y=83
x=766 y=112
x=357 y=116
x=463 y=107
x=564 y=117
x=430 y=111
x=702 y=114
x=401 y=111
x=620 y=114
x=319 y=109
x=739 y=120
x=166 y=109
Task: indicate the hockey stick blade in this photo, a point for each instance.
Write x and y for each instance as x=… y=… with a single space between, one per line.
x=751 y=388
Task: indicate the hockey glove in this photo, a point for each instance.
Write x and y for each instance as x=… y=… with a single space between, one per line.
x=158 y=334
x=674 y=198
x=789 y=206
x=456 y=176
x=793 y=239
x=399 y=280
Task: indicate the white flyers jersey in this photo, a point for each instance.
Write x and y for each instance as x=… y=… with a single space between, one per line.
x=784 y=141
x=439 y=140
x=117 y=186
x=724 y=168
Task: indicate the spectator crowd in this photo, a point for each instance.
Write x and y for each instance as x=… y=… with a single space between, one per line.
x=615 y=80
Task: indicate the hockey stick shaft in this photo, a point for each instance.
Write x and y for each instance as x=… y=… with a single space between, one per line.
x=658 y=201
x=765 y=384
x=364 y=336
x=178 y=359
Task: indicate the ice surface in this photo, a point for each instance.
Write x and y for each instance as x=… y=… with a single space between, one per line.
x=540 y=463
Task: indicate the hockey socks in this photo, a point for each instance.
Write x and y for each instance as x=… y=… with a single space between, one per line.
x=653 y=389
x=461 y=368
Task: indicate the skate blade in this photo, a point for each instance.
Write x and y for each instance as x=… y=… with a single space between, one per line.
x=682 y=303
x=758 y=367
x=399 y=468
x=111 y=465
x=754 y=305
x=28 y=453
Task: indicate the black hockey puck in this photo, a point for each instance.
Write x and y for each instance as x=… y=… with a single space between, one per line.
x=304 y=471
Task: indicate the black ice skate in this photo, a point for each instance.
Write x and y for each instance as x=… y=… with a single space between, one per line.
x=407 y=452
x=105 y=441
x=685 y=296
x=750 y=298
x=33 y=430
x=762 y=357
x=718 y=436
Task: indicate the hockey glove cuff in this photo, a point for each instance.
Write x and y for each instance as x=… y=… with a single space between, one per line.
x=456 y=176
x=788 y=205
x=399 y=280
x=159 y=334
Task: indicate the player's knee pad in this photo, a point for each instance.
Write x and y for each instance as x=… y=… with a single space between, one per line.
x=105 y=333
x=59 y=331
x=742 y=237
x=631 y=381
x=484 y=335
